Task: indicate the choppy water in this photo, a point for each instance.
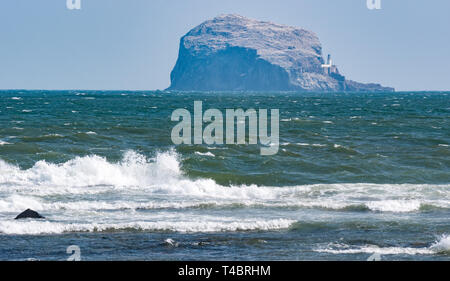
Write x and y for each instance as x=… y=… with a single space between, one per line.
x=356 y=174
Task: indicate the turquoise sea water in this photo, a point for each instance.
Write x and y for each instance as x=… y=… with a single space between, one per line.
x=356 y=174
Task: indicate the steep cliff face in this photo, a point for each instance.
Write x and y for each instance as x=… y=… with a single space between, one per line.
x=232 y=53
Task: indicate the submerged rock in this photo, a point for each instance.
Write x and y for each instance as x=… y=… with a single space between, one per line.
x=29 y=214
x=234 y=53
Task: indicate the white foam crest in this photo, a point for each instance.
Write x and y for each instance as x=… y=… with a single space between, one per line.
x=94 y=174
x=17 y=203
x=398 y=206
x=313 y=144
x=133 y=170
x=208 y=188
x=47 y=227
x=377 y=250
x=205 y=154
x=442 y=245
x=171 y=242
x=161 y=176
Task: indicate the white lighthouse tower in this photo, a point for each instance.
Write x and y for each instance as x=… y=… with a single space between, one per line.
x=329 y=68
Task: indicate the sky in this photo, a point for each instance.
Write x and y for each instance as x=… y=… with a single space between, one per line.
x=133 y=44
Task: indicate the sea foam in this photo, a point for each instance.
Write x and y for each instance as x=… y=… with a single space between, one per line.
x=91 y=193
x=47 y=227
x=441 y=246
x=162 y=174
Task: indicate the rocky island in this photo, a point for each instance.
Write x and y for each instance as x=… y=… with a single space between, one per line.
x=234 y=53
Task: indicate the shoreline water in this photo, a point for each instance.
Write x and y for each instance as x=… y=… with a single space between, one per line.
x=355 y=174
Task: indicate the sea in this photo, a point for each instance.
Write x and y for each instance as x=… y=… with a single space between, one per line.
x=358 y=176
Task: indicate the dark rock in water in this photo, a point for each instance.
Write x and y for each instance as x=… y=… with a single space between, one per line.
x=29 y=214
x=234 y=53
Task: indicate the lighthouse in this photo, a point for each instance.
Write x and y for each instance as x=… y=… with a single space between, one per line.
x=329 y=68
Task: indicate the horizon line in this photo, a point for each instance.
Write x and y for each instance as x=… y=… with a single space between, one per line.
x=165 y=90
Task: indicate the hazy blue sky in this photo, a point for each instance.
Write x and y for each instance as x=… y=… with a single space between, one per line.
x=133 y=44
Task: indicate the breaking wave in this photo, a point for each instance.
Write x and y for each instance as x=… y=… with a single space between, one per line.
x=93 y=194
x=47 y=227
x=133 y=170
x=17 y=203
x=162 y=175
x=441 y=246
